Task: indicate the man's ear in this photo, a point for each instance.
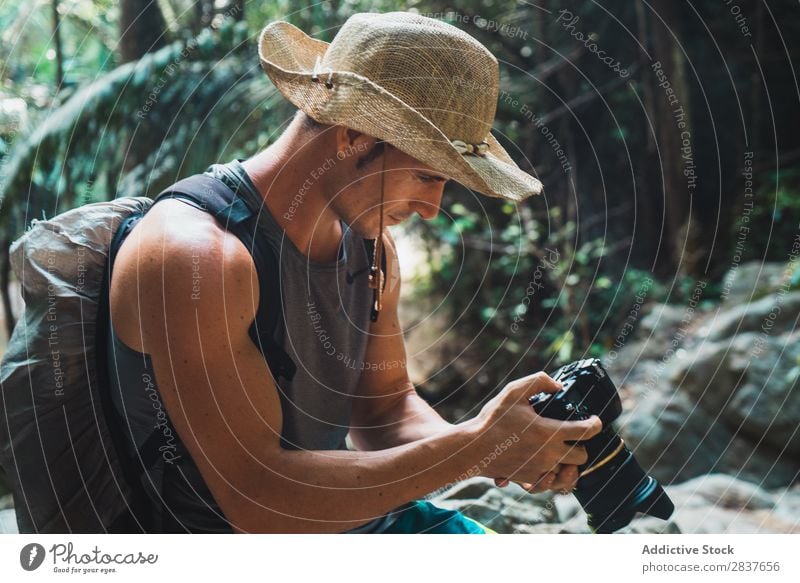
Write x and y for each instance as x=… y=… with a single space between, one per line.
x=352 y=144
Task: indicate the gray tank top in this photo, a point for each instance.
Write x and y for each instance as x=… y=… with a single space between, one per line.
x=326 y=310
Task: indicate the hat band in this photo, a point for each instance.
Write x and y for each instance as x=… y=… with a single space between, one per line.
x=465 y=148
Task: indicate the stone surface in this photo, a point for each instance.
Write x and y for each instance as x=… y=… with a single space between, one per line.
x=505 y=510
x=722 y=504
x=715 y=389
x=714 y=504
x=752 y=280
x=776 y=312
x=8 y=522
x=672 y=438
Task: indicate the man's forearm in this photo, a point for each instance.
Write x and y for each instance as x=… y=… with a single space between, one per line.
x=333 y=491
x=409 y=420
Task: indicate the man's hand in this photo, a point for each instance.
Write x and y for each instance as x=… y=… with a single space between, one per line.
x=563 y=480
x=539 y=459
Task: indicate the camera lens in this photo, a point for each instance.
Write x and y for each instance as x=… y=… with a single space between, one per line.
x=613 y=493
x=613 y=487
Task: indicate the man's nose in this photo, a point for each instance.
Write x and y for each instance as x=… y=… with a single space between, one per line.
x=428 y=207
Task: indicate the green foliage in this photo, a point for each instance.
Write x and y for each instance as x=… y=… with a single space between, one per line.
x=520 y=291
x=775 y=218
x=189 y=93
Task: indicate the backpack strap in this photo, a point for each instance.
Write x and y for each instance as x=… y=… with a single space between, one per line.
x=128 y=521
x=232 y=213
x=211 y=195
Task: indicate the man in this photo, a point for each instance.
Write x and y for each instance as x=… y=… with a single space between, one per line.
x=392 y=109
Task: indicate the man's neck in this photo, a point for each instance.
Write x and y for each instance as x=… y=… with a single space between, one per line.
x=282 y=175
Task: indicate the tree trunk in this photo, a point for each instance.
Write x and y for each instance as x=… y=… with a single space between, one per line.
x=674 y=138
x=58 y=46
x=142 y=29
x=651 y=214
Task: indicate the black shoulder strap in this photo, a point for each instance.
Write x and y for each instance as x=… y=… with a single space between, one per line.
x=233 y=214
x=130 y=475
x=215 y=197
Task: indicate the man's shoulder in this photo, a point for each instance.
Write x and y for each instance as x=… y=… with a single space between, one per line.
x=182 y=248
x=174 y=233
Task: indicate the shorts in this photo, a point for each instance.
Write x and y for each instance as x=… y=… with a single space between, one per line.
x=422 y=517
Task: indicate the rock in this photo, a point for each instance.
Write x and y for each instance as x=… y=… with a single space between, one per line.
x=703 y=373
x=750 y=281
x=721 y=504
x=526 y=509
x=710 y=504
x=505 y=510
x=650 y=525
x=544 y=528
x=767 y=404
x=712 y=520
x=725 y=491
x=660 y=322
x=787 y=505
x=675 y=440
x=8 y=522
x=776 y=312
x=718 y=407
x=764 y=521
x=749 y=460
x=567 y=507
x=750 y=384
x=672 y=438
x=576 y=525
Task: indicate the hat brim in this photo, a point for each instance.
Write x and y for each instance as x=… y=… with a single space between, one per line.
x=288 y=57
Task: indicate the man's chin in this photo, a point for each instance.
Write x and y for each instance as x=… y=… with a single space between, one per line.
x=366 y=231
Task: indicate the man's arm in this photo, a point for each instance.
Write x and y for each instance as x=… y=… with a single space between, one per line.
x=387 y=410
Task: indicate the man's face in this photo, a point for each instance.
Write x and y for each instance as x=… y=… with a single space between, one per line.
x=409 y=187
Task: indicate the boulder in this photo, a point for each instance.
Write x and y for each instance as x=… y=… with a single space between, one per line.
x=505 y=510
x=752 y=280
x=721 y=504
x=787 y=505
x=8 y=518
x=777 y=313
x=766 y=406
x=673 y=439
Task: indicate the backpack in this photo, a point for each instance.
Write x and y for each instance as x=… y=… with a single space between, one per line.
x=59 y=446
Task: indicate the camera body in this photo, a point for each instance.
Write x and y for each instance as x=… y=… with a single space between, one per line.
x=587 y=391
x=612 y=486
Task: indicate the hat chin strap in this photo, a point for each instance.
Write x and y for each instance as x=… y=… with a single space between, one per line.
x=376 y=275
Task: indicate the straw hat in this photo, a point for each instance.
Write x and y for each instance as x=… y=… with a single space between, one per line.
x=422 y=85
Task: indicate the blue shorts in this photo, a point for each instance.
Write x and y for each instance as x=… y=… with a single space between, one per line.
x=422 y=517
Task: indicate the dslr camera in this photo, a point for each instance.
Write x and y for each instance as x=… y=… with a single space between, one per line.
x=612 y=486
